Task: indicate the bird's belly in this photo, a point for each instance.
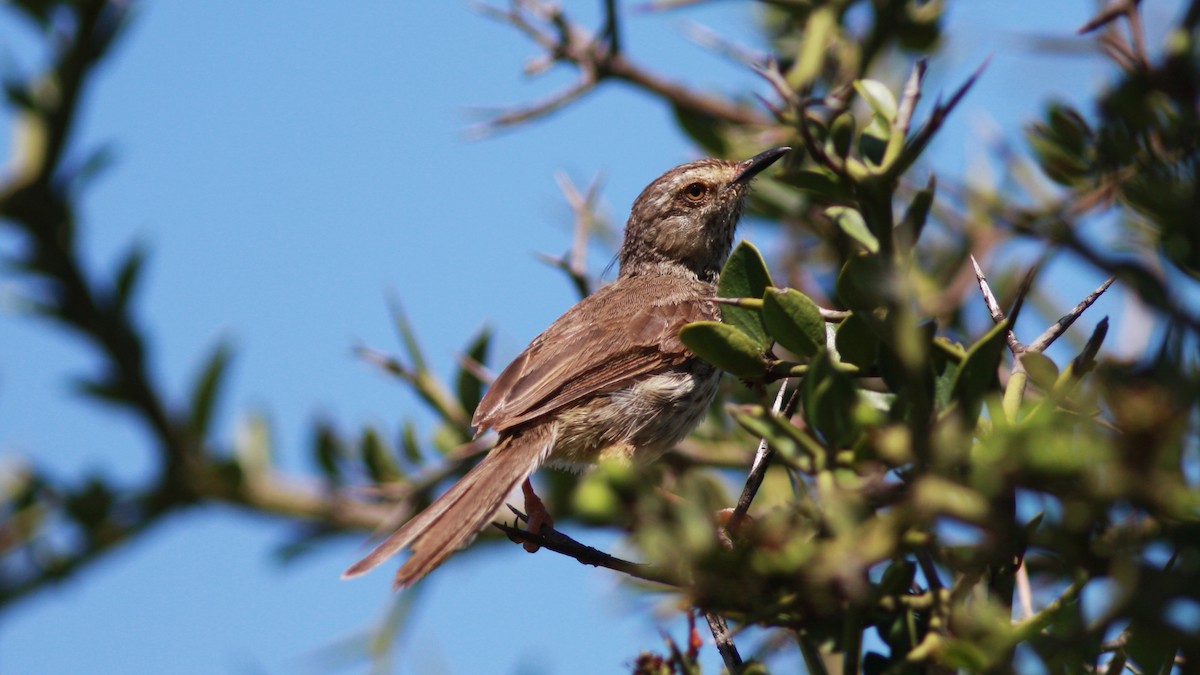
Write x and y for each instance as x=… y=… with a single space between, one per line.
x=638 y=423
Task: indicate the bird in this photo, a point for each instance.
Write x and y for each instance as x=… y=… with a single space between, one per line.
x=608 y=380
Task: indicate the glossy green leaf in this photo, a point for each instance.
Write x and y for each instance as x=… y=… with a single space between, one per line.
x=851 y=222
x=878 y=96
x=726 y=347
x=745 y=276
x=977 y=375
x=794 y=321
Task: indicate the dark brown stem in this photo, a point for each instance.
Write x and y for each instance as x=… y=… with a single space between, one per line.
x=553 y=540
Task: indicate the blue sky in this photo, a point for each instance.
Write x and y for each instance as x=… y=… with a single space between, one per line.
x=287 y=170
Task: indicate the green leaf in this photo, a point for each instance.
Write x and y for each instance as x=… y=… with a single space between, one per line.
x=407 y=335
x=205 y=390
x=409 y=444
x=377 y=458
x=878 y=96
x=1150 y=646
x=856 y=343
x=977 y=374
x=327 y=451
x=127 y=276
x=470 y=387
x=864 y=282
x=851 y=222
x=726 y=347
x=908 y=232
x=745 y=276
x=794 y=321
x=1042 y=371
x=106 y=390
x=819 y=180
x=1086 y=360
x=841 y=134
x=829 y=400
x=945 y=372
x=820 y=29
x=706 y=130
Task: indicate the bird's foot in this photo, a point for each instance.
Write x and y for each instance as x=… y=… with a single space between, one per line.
x=539 y=517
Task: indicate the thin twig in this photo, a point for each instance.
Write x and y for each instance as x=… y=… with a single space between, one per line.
x=909 y=99
x=586 y=82
x=553 y=540
x=1059 y=327
x=712 y=40
x=758 y=469
x=597 y=58
x=815 y=149
x=728 y=650
x=830 y=315
x=916 y=145
x=994 y=309
x=1024 y=592
x=582 y=207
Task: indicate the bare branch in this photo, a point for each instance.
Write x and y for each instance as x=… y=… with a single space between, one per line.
x=582 y=206
x=597 y=58
x=915 y=146
x=994 y=309
x=1059 y=327
x=909 y=98
x=762 y=461
x=681 y=96
x=728 y=650
x=712 y=40
x=553 y=540
x=515 y=116
x=1107 y=15
x=830 y=315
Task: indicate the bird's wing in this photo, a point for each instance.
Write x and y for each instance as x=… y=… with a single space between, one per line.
x=631 y=331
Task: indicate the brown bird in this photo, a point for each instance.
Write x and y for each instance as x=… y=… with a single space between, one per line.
x=610 y=379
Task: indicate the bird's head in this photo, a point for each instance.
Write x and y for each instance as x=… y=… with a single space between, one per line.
x=683 y=222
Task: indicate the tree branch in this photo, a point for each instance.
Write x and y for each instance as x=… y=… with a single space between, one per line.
x=551 y=539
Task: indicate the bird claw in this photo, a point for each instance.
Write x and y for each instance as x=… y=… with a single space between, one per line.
x=537 y=520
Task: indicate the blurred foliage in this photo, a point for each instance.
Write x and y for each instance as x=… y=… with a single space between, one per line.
x=940 y=496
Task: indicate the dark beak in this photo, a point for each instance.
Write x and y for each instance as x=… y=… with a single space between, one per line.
x=753 y=166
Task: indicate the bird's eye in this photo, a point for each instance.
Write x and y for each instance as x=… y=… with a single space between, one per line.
x=695 y=193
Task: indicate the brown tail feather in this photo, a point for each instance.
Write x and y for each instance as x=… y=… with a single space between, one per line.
x=454 y=519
